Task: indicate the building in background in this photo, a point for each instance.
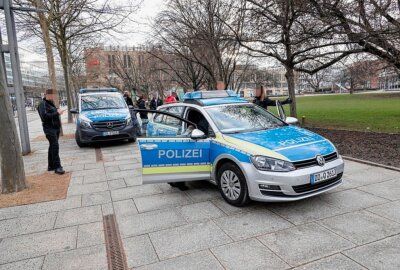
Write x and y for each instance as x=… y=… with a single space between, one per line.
x=389 y=79
x=35 y=76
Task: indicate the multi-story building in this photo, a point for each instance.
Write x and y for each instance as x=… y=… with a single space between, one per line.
x=389 y=79
x=34 y=71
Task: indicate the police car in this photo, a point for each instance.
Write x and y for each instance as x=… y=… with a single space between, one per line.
x=248 y=152
x=103 y=115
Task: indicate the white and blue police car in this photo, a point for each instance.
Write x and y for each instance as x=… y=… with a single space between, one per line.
x=103 y=115
x=248 y=152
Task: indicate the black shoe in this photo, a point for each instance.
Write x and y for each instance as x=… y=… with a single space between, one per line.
x=59 y=170
x=49 y=169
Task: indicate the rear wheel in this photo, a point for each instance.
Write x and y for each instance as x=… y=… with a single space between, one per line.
x=232 y=185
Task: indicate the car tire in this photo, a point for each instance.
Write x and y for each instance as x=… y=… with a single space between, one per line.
x=232 y=185
x=78 y=140
x=132 y=140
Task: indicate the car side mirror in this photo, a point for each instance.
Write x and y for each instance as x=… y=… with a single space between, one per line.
x=74 y=110
x=291 y=120
x=197 y=134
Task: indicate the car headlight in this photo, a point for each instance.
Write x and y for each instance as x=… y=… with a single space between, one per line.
x=85 y=124
x=271 y=164
x=128 y=121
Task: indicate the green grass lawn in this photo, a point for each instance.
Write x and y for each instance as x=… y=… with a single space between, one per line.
x=379 y=112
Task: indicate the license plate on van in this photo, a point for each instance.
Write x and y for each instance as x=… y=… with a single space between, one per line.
x=110 y=133
x=323 y=176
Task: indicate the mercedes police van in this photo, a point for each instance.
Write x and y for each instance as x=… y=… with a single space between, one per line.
x=103 y=115
x=248 y=152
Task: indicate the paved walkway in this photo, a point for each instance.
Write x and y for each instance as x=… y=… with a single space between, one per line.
x=355 y=227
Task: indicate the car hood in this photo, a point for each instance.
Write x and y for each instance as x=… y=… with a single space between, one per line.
x=290 y=141
x=106 y=114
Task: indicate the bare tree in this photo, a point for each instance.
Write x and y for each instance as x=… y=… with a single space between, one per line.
x=291 y=33
x=12 y=165
x=193 y=30
x=372 y=24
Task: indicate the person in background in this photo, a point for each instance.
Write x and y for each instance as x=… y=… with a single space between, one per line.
x=128 y=99
x=175 y=95
x=141 y=103
x=170 y=99
x=262 y=100
x=155 y=102
x=51 y=123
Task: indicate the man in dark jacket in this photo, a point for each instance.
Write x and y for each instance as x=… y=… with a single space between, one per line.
x=141 y=103
x=51 y=123
x=128 y=99
x=155 y=102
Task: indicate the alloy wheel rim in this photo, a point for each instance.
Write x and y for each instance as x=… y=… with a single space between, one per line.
x=230 y=185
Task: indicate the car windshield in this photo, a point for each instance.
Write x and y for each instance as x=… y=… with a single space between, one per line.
x=99 y=102
x=243 y=118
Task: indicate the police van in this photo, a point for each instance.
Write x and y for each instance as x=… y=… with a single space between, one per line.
x=103 y=115
x=248 y=152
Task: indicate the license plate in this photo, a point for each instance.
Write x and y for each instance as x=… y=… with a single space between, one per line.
x=109 y=133
x=323 y=176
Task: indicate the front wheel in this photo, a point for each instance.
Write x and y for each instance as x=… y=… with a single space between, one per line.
x=232 y=185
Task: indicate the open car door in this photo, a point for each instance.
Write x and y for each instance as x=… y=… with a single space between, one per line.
x=173 y=149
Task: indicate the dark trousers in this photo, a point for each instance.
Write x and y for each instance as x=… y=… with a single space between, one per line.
x=52 y=135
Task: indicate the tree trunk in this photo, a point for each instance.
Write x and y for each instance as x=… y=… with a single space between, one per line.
x=43 y=21
x=12 y=165
x=64 y=63
x=291 y=89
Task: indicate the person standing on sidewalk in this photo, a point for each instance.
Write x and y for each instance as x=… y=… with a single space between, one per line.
x=155 y=102
x=141 y=103
x=51 y=123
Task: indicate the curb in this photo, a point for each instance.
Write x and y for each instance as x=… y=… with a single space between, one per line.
x=372 y=163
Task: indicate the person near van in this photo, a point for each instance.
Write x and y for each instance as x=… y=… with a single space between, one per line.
x=141 y=103
x=128 y=99
x=262 y=99
x=155 y=102
x=51 y=123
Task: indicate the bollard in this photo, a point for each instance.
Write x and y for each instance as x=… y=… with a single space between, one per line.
x=303 y=120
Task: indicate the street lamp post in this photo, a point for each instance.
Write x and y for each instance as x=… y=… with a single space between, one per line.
x=12 y=48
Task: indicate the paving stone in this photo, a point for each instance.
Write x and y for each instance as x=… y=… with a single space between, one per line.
x=246 y=225
x=31 y=209
x=149 y=222
x=89 y=179
x=389 y=190
x=30 y=264
x=134 y=180
x=352 y=199
x=90 y=234
x=361 y=227
x=334 y=262
x=206 y=192
x=125 y=208
x=247 y=255
x=78 y=180
x=370 y=176
x=187 y=239
x=304 y=243
x=196 y=261
x=85 y=189
x=130 y=166
x=90 y=258
x=78 y=216
x=25 y=225
x=37 y=244
x=200 y=212
x=304 y=211
x=96 y=198
x=92 y=172
x=107 y=209
x=139 y=251
x=388 y=210
x=352 y=166
x=97 y=165
x=134 y=192
x=111 y=169
x=230 y=209
x=116 y=163
x=122 y=174
x=116 y=184
x=383 y=254
x=72 y=202
x=160 y=201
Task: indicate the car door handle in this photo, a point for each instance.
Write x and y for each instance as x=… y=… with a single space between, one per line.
x=149 y=146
